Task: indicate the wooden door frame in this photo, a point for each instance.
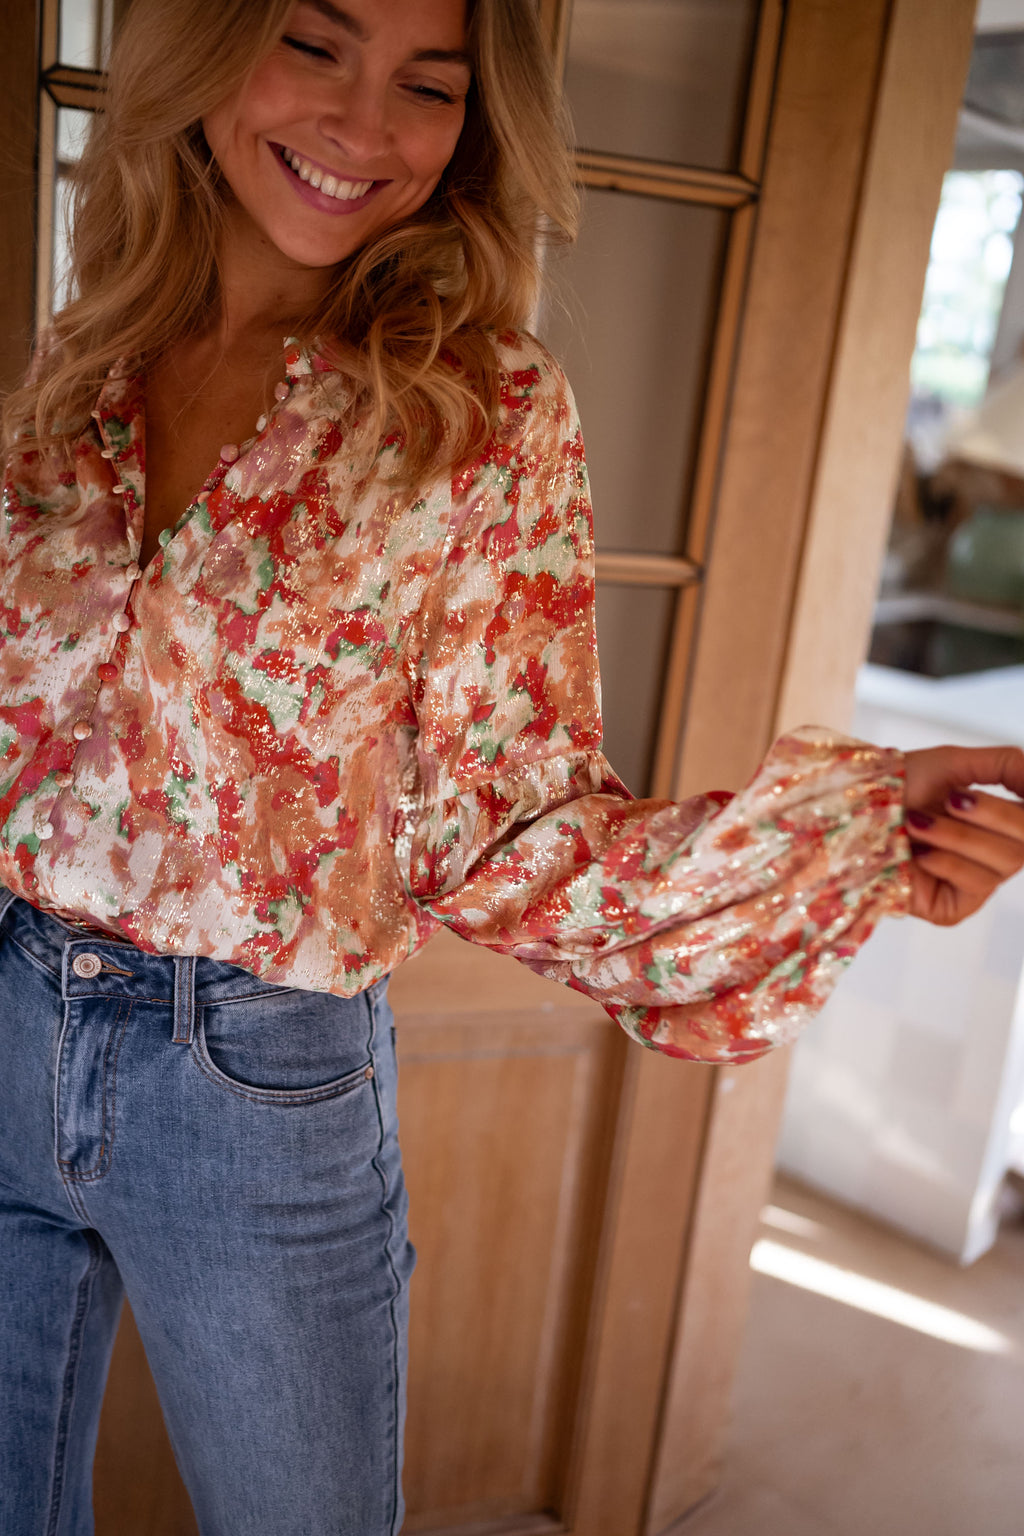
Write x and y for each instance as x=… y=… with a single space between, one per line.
x=862 y=135
x=18 y=113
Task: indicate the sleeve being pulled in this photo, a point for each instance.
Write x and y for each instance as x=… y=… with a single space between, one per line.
x=711 y=929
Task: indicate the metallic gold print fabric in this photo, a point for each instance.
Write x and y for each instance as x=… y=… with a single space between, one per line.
x=331 y=714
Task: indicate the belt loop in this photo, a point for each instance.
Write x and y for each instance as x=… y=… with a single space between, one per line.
x=184 y=999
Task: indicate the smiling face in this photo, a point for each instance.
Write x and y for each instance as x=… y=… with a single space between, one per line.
x=344 y=129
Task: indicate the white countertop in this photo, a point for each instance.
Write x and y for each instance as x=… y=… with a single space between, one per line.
x=988 y=704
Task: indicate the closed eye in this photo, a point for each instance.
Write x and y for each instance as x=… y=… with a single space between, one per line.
x=433 y=93
x=310 y=49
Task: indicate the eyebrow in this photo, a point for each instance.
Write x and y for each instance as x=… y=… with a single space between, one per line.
x=356 y=29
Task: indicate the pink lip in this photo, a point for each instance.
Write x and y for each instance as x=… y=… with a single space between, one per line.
x=321 y=200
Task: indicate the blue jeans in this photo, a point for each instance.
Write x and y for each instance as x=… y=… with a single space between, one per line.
x=225 y=1153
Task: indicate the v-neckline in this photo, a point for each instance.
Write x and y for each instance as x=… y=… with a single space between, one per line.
x=120 y=416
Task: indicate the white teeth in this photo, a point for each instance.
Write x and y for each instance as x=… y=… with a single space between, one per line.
x=332 y=186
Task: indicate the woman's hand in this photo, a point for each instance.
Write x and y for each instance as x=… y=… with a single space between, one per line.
x=965 y=843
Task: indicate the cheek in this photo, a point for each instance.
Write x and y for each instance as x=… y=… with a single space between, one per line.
x=436 y=156
x=247 y=111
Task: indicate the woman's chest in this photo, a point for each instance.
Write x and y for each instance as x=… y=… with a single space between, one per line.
x=187 y=435
x=286 y=605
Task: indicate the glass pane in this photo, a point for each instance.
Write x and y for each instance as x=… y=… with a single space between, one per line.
x=633 y=630
x=84 y=32
x=61 y=209
x=663 y=79
x=630 y=313
x=72 y=131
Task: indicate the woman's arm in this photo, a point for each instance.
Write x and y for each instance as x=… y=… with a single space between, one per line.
x=710 y=929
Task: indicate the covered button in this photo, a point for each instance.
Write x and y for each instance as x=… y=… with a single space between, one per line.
x=122 y=622
x=45 y=831
x=133 y=571
x=81 y=730
x=229 y=453
x=63 y=780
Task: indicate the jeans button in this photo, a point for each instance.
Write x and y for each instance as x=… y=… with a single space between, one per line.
x=87 y=966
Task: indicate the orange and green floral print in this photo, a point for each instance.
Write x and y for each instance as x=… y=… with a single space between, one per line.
x=332 y=714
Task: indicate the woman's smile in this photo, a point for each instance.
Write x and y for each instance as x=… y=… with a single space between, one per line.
x=323 y=188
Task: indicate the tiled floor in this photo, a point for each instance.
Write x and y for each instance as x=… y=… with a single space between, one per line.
x=851 y=1423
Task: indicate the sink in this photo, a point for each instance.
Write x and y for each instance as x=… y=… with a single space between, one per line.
x=938 y=636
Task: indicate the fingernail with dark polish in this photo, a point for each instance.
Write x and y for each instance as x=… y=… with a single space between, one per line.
x=960 y=800
x=920 y=819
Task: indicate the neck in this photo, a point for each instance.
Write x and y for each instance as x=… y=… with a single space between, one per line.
x=263 y=295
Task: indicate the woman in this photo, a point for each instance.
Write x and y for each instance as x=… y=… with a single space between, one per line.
x=266 y=729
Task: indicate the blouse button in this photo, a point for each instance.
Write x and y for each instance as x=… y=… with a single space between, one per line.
x=229 y=453
x=63 y=780
x=281 y=391
x=122 y=623
x=106 y=453
x=120 y=490
x=106 y=672
x=133 y=571
x=45 y=832
x=261 y=422
x=81 y=730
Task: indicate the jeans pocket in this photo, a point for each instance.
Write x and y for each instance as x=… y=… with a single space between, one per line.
x=286 y=1047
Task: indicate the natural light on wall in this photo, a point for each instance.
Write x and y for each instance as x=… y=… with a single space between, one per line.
x=971 y=254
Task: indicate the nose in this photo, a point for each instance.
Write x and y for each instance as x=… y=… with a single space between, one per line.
x=357 y=121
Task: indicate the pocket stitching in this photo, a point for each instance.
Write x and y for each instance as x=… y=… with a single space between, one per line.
x=289 y=1098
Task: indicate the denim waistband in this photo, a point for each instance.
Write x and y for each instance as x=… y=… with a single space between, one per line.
x=87 y=965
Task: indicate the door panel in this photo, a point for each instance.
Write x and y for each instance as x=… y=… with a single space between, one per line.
x=661 y=79
x=507 y=1119
x=631 y=315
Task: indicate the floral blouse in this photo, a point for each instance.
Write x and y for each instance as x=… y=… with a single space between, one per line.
x=331 y=714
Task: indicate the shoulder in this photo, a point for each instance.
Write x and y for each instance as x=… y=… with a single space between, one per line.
x=536 y=416
x=530 y=480
x=529 y=373
x=536 y=422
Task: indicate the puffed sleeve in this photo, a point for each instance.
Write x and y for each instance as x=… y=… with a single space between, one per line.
x=710 y=929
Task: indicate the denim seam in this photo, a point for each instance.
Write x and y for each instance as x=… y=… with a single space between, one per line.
x=102 y=1165
x=287 y=1098
x=396 y=1284
x=85 y=1287
x=184 y=999
x=241 y=997
x=41 y=964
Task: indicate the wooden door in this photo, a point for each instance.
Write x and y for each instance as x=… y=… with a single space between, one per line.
x=760 y=181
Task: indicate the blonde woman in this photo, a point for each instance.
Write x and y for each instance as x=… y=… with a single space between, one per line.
x=297 y=664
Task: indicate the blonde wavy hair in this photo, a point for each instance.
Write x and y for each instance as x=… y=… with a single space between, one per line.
x=410 y=318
